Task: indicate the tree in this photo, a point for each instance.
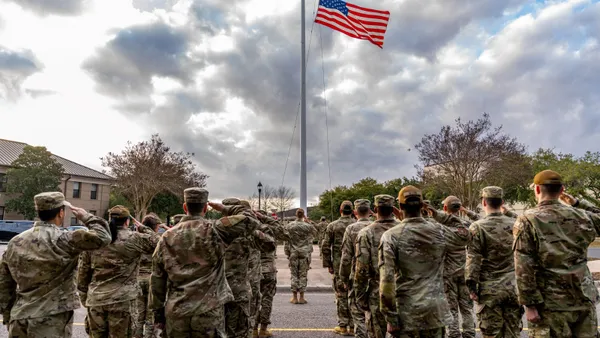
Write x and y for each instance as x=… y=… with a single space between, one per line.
x=33 y=172
x=282 y=198
x=166 y=204
x=144 y=170
x=461 y=160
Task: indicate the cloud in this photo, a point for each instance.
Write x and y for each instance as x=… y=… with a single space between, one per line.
x=15 y=68
x=58 y=7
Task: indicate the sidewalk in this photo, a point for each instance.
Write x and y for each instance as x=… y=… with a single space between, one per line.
x=319 y=279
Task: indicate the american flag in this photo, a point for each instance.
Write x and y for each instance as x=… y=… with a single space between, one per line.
x=354 y=21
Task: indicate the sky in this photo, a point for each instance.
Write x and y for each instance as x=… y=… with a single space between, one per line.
x=221 y=79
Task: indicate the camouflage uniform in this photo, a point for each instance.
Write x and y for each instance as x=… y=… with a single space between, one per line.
x=298 y=249
x=490 y=273
x=457 y=293
x=107 y=280
x=37 y=292
x=321 y=227
x=366 y=278
x=188 y=287
x=331 y=248
x=177 y=218
x=348 y=266
x=550 y=243
x=411 y=260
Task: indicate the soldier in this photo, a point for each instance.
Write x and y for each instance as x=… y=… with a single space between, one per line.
x=298 y=249
x=490 y=270
x=576 y=203
x=37 y=292
x=366 y=278
x=177 y=218
x=331 y=248
x=457 y=239
x=411 y=259
x=553 y=280
x=268 y=282
x=107 y=278
x=254 y=271
x=188 y=288
x=348 y=263
x=321 y=227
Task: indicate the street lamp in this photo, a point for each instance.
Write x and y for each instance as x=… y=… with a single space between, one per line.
x=259 y=186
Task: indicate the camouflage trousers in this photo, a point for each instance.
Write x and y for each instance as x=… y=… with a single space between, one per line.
x=255 y=277
x=113 y=320
x=499 y=316
x=374 y=319
x=341 y=300
x=433 y=333
x=59 y=325
x=459 y=301
x=143 y=325
x=299 y=272
x=207 y=325
x=580 y=324
x=237 y=319
x=358 y=316
x=268 y=288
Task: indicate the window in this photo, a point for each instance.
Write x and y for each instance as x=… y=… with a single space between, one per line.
x=3 y=180
x=93 y=212
x=1 y=213
x=76 y=189
x=94 y=193
x=73 y=221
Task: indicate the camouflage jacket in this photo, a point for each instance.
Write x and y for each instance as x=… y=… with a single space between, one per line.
x=411 y=259
x=301 y=237
x=109 y=275
x=550 y=244
x=348 y=260
x=38 y=268
x=331 y=247
x=366 y=276
x=457 y=239
x=321 y=227
x=271 y=227
x=188 y=265
x=585 y=205
x=490 y=263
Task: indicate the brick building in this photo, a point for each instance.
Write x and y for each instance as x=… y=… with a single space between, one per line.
x=82 y=186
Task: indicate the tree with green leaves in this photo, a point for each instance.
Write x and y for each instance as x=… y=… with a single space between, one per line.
x=33 y=172
x=166 y=204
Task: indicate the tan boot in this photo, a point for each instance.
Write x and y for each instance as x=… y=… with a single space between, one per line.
x=341 y=331
x=302 y=300
x=255 y=333
x=351 y=330
x=294 y=299
x=264 y=333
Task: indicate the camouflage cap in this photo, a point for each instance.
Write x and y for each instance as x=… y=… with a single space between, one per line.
x=547 y=177
x=346 y=205
x=49 y=201
x=409 y=192
x=452 y=200
x=195 y=195
x=119 y=211
x=492 y=192
x=384 y=200
x=231 y=201
x=323 y=218
x=245 y=204
x=362 y=203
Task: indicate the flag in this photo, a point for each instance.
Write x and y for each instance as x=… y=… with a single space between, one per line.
x=354 y=21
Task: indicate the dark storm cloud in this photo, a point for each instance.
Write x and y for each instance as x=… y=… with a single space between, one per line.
x=58 y=7
x=15 y=68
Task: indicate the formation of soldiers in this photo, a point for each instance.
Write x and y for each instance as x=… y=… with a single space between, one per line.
x=414 y=271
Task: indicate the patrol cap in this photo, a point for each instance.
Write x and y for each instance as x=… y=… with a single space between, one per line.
x=323 y=218
x=231 y=201
x=452 y=200
x=492 y=192
x=119 y=211
x=547 y=177
x=384 y=201
x=409 y=192
x=49 y=201
x=245 y=204
x=362 y=203
x=195 y=195
x=346 y=205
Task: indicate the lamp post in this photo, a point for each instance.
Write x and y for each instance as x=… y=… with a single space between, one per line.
x=259 y=186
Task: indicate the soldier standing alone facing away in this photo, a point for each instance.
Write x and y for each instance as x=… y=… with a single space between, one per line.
x=331 y=249
x=37 y=292
x=298 y=249
x=490 y=270
x=553 y=280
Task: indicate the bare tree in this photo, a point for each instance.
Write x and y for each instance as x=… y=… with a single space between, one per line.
x=148 y=168
x=462 y=160
x=283 y=198
x=266 y=198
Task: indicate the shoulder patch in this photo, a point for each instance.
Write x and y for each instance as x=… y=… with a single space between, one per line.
x=232 y=220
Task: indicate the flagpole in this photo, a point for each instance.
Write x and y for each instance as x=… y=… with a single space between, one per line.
x=303 y=113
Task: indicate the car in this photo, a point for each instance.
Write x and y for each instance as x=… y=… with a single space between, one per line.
x=9 y=229
x=76 y=227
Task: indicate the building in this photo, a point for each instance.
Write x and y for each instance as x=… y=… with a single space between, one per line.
x=83 y=187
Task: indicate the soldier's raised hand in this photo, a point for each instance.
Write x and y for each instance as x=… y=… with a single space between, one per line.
x=78 y=212
x=567 y=199
x=217 y=206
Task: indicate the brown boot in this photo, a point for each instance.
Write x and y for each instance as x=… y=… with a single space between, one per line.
x=264 y=333
x=302 y=300
x=294 y=299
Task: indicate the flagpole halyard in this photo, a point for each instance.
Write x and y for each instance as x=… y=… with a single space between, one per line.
x=303 y=112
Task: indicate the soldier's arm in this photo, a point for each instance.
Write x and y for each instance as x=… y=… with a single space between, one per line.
x=229 y=228
x=264 y=242
x=84 y=275
x=525 y=253
x=97 y=237
x=8 y=291
x=279 y=231
x=326 y=247
x=474 y=259
x=363 y=267
x=387 y=281
x=472 y=215
x=347 y=255
x=158 y=280
x=587 y=206
x=145 y=240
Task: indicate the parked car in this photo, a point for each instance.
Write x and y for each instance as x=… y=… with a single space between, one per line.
x=9 y=229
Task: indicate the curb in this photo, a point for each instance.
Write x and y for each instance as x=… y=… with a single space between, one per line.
x=309 y=288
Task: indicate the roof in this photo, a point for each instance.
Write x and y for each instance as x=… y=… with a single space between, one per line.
x=10 y=151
